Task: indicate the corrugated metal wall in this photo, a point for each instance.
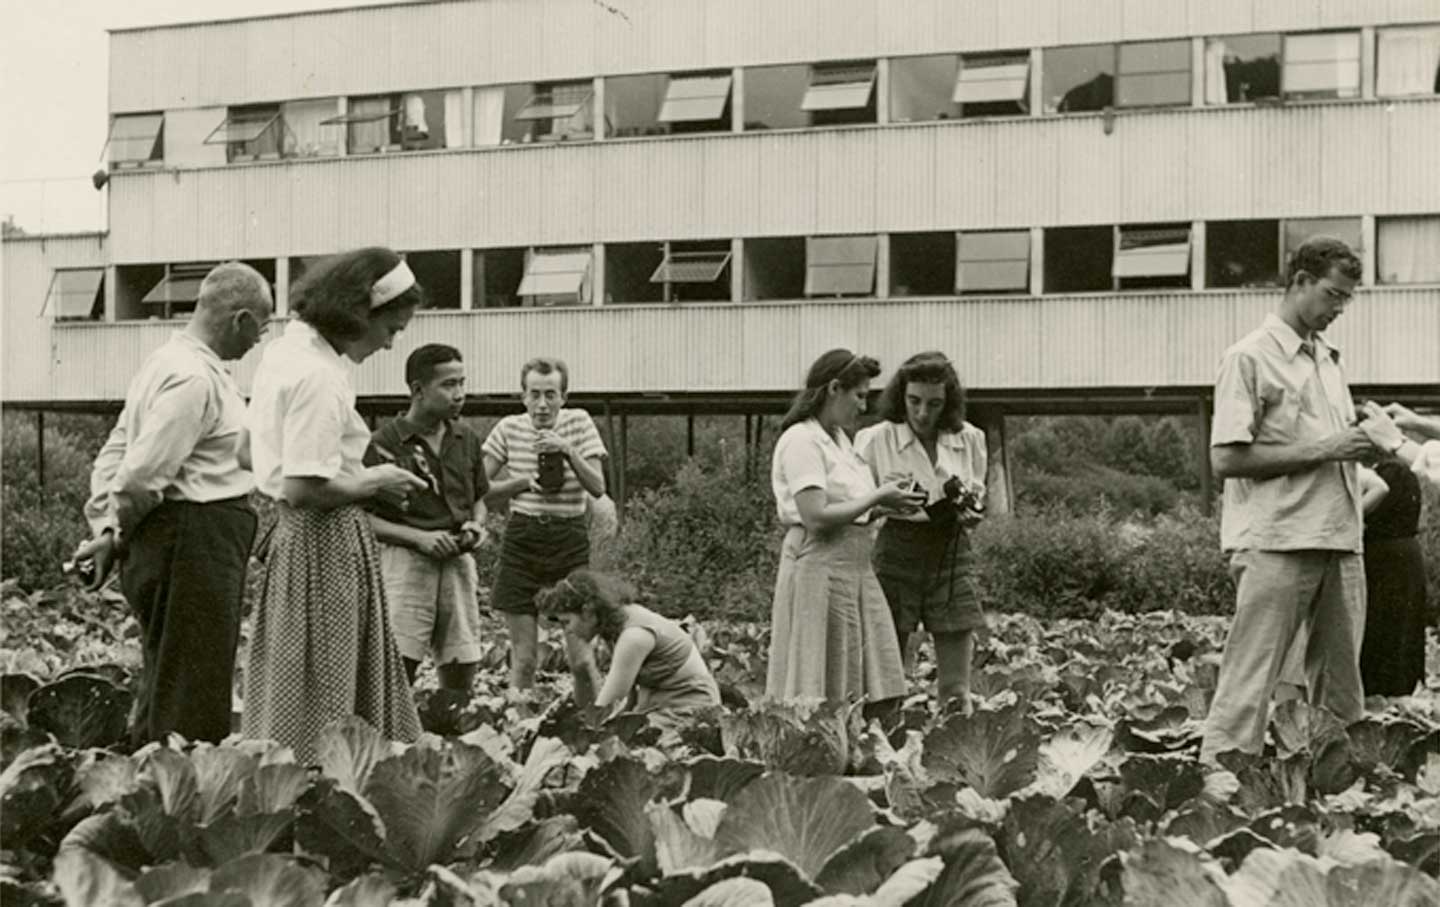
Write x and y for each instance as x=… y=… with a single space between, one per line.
x=1170 y=165
x=441 y=45
x=1389 y=336
x=26 y=266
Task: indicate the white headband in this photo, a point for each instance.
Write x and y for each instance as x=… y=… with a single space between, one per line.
x=391 y=285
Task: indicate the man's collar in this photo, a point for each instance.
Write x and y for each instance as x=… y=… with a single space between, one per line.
x=197 y=344
x=1291 y=342
x=410 y=430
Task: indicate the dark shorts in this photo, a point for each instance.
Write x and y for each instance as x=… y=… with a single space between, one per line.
x=928 y=577
x=537 y=552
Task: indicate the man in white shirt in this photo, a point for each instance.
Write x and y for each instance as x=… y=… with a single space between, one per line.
x=169 y=501
x=922 y=558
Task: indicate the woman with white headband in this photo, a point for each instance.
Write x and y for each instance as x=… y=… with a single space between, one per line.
x=321 y=646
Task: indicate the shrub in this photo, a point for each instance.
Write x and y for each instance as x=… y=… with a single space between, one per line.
x=1051 y=563
x=1079 y=491
x=42 y=527
x=1178 y=565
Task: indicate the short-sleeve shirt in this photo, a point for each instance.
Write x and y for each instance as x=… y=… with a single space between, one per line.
x=458 y=468
x=892 y=450
x=1275 y=387
x=302 y=417
x=808 y=456
x=512 y=442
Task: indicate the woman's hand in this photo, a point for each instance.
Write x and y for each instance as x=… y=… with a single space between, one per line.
x=899 y=496
x=1379 y=428
x=1414 y=423
x=387 y=478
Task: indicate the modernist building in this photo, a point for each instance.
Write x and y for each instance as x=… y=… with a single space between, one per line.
x=1082 y=201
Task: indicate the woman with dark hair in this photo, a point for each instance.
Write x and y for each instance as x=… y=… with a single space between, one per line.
x=321 y=646
x=923 y=558
x=653 y=663
x=832 y=636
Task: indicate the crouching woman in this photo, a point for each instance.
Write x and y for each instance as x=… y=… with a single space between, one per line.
x=653 y=663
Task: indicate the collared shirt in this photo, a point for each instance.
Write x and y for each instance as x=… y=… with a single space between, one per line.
x=1427 y=463
x=808 y=456
x=512 y=442
x=892 y=451
x=176 y=438
x=1275 y=387
x=458 y=468
x=302 y=417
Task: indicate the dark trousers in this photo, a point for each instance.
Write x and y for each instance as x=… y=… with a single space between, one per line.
x=184 y=577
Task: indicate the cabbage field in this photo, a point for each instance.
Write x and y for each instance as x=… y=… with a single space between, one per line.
x=1074 y=783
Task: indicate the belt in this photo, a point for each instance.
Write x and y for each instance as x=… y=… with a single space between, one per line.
x=547 y=518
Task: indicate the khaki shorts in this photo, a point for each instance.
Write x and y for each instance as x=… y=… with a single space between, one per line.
x=432 y=605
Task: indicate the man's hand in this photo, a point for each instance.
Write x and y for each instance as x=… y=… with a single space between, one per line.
x=101 y=551
x=1350 y=444
x=438 y=545
x=550 y=440
x=477 y=531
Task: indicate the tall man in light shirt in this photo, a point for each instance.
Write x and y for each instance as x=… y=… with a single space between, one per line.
x=1285 y=442
x=169 y=501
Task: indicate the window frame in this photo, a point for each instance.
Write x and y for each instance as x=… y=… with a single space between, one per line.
x=827 y=84
x=1152 y=251
x=156 y=157
x=666 y=115
x=233 y=147
x=97 y=294
x=1289 y=95
x=967 y=63
x=1186 y=97
x=535 y=274
x=185 y=275
x=865 y=266
x=991 y=288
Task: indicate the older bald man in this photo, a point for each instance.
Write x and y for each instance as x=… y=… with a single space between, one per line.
x=169 y=501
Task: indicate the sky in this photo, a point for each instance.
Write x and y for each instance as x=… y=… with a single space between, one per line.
x=53 y=87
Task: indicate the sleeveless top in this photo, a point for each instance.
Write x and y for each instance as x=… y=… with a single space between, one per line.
x=667 y=679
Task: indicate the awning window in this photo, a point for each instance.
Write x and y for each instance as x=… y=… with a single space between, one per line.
x=243 y=127
x=991 y=79
x=839 y=265
x=1152 y=252
x=1322 y=65
x=690 y=99
x=555 y=272
x=557 y=102
x=691 y=267
x=180 y=287
x=845 y=87
x=74 y=293
x=993 y=262
x=136 y=137
x=361 y=116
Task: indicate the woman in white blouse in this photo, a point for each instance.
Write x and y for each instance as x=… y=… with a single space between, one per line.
x=321 y=646
x=831 y=636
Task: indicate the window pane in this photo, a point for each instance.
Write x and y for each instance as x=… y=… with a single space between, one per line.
x=557 y=111
x=993 y=78
x=1241 y=68
x=691 y=267
x=1079 y=78
x=1005 y=244
x=1242 y=253
x=922 y=264
x=628 y=267
x=439 y=274
x=179 y=287
x=136 y=137
x=424 y=120
x=1077 y=259
x=632 y=105
x=75 y=294
x=921 y=88
x=691 y=99
x=371 y=124
x=1154 y=73
x=555 y=272
x=1323 y=65
x=840 y=265
x=774 y=267
x=304 y=134
x=1346 y=229
x=496 y=278
x=993 y=276
x=1408 y=61
x=839 y=88
x=773 y=95
x=1408 y=250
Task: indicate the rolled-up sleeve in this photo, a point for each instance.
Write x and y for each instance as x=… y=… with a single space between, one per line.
x=99 y=512
x=589 y=444
x=312 y=427
x=1237 y=402
x=171 y=425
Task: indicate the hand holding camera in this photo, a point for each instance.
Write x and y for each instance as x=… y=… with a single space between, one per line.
x=901 y=496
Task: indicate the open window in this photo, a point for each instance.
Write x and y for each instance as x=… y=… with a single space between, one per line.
x=1407 y=249
x=993 y=262
x=773 y=95
x=408 y=121
x=840 y=94
x=369 y=124
x=628 y=267
x=1242 y=253
x=556 y=277
x=439 y=274
x=1407 y=61
x=305 y=136
x=136 y=140
x=1242 y=68
x=178 y=291
x=697 y=102
x=1153 y=74
x=695 y=271
x=632 y=105
x=1152 y=257
x=76 y=295
x=921 y=264
x=993 y=84
x=559 y=111
x=921 y=88
x=1322 y=65
x=1297 y=230
x=840 y=265
x=1078 y=79
x=495 y=280
x=250 y=133
x=1077 y=259
x=774 y=267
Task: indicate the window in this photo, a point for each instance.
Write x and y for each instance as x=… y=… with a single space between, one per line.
x=1241 y=68
x=840 y=93
x=1242 y=253
x=493 y=114
x=300 y=265
x=132 y=282
x=76 y=295
x=496 y=278
x=697 y=103
x=773 y=95
x=1153 y=257
x=921 y=264
x=556 y=277
x=632 y=105
x=253 y=132
x=1407 y=61
x=412 y=121
x=997 y=262
x=369 y=124
x=1079 y=78
x=136 y=139
x=439 y=274
x=628 y=267
x=921 y=88
x=695 y=271
x=1345 y=229
x=840 y=266
x=179 y=290
x=559 y=111
x=1407 y=249
x=1323 y=65
x=992 y=84
x=1077 y=259
x=1153 y=74
x=305 y=136
x=775 y=268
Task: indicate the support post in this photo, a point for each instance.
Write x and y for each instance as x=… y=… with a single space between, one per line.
x=112 y=293
x=690 y=435
x=882 y=90
x=624 y=462
x=999 y=488
x=749 y=454
x=467 y=279
x=282 y=286
x=40 y=448
x=737 y=99
x=1205 y=412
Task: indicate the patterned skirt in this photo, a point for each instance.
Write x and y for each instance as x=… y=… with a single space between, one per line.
x=831 y=632
x=321 y=646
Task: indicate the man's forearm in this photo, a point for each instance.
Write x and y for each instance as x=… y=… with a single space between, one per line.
x=503 y=491
x=392 y=533
x=591 y=476
x=1266 y=461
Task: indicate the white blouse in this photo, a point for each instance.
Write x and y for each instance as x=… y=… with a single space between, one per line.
x=807 y=456
x=892 y=451
x=302 y=417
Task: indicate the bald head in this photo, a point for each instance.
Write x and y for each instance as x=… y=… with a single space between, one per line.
x=233 y=309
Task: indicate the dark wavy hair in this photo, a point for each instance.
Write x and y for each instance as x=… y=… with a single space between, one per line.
x=1318 y=254
x=334 y=297
x=607 y=593
x=836 y=365
x=931 y=367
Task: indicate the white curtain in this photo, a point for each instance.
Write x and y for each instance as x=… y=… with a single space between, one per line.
x=454 y=120
x=415 y=120
x=1408 y=250
x=373 y=134
x=304 y=136
x=1215 y=86
x=1408 y=60
x=489 y=114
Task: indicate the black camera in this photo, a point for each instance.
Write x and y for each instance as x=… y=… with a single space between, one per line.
x=552 y=470
x=959 y=500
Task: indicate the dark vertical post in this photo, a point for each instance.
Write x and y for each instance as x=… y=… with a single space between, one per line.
x=690 y=435
x=1204 y=411
x=612 y=479
x=749 y=454
x=624 y=461
x=40 y=448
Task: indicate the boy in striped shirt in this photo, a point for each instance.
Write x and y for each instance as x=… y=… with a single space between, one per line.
x=551 y=458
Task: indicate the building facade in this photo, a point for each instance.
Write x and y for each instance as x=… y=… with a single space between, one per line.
x=1078 y=200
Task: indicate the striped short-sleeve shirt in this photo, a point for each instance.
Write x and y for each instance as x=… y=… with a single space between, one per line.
x=512 y=442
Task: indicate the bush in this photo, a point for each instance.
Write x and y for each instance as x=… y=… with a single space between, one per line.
x=1081 y=490
x=42 y=528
